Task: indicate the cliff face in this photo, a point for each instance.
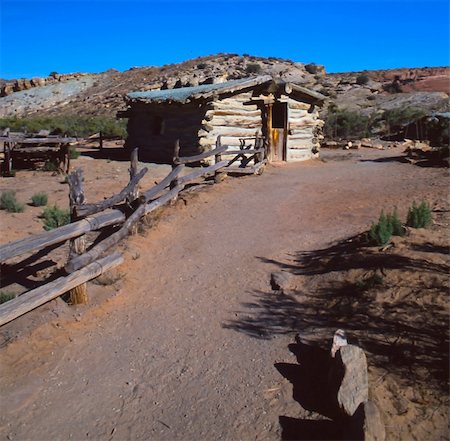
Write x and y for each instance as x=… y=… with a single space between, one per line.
x=102 y=94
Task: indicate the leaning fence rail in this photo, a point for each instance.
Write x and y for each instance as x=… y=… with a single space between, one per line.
x=84 y=265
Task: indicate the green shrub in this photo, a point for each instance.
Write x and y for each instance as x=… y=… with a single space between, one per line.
x=50 y=166
x=397 y=229
x=71 y=125
x=55 y=217
x=346 y=124
x=10 y=174
x=9 y=202
x=369 y=282
x=380 y=233
x=73 y=153
x=419 y=216
x=39 y=199
x=362 y=79
x=253 y=68
x=6 y=296
x=312 y=68
x=387 y=226
x=400 y=116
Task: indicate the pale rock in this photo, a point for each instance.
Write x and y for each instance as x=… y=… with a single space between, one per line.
x=354 y=387
x=281 y=280
x=339 y=340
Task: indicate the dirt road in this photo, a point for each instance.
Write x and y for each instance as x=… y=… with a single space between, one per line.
x=168 y=357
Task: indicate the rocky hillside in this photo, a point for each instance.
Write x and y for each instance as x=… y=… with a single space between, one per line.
x=369 y=91
x=102 y=94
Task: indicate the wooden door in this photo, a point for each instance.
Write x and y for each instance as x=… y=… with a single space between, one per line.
x=278 y=131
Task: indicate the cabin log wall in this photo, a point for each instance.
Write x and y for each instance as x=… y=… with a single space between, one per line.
x=304 y=130
x=181 y=122
x=231 y=118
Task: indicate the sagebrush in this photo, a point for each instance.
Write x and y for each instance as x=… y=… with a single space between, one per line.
x=9 y=202
x=39 y=199
x=54 y=217
x=6 y=296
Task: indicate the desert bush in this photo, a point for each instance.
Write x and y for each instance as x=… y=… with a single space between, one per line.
x=346 y=124
x=6 y=296
x=397 y=228
x=393 y=87
x=362 y=79
x=50 y=166
x=9 y=202
x=253 y=68
x=72 y=125
x=107 y=280
x=39 y=199
x=202 y=66
x=54 y=217
x=419 y=216
x=400 y=116
x=388 y=225
x=73 y=153
x=380 y=233
x=370 y=282
x=312 y=68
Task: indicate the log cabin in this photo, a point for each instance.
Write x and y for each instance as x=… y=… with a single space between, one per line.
x=284 y=115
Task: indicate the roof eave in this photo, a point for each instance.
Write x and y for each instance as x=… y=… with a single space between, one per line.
x=310 y=95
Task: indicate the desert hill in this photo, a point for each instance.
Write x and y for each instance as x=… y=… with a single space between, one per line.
x=102 y=93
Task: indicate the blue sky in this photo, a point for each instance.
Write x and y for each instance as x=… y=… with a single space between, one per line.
x=38 y=37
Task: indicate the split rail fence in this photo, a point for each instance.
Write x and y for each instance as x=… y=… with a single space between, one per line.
x=86 y=263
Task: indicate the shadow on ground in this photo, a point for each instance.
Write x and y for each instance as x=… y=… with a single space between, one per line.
x=408 y=336
x=111 y=153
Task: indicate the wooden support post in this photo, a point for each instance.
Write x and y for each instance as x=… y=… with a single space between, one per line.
x=100 y=140
x=78 y=295
x=258 y=155
x=219 y=175
x=176 y=157
x=133 y=170
x=7 y=161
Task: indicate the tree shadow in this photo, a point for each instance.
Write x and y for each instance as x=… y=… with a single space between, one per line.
x=412 y=340
x=296 y=429
x=402 y=159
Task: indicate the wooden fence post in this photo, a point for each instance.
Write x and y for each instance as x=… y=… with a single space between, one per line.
x=100 y=140
x=219 y=175
x=176 y=156
x=78 y=295
x=133 y=170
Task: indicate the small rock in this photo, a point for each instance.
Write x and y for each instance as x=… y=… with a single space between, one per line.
x=281 y=280
x=339 y=340
x=354 y=387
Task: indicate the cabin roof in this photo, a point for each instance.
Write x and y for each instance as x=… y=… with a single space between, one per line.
x=186 y=94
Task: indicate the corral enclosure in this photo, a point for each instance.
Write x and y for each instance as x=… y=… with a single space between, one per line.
x=284 y=114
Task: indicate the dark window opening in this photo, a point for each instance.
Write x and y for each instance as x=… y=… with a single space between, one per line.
x=158 y=125
x=279 y=114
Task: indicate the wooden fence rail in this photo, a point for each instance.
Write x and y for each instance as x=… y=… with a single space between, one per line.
x=85 y=265
x=32 y=299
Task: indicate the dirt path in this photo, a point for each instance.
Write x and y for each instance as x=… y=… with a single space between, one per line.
x=167 y=358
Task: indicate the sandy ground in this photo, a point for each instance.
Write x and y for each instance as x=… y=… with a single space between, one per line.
x=187 y=340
